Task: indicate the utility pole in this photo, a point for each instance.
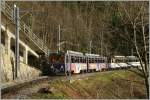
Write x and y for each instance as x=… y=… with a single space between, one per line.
x=101 y=43
x=17 y=57
x=90 y=46
x=132 y=51
x=58 y=37
x=78 y=46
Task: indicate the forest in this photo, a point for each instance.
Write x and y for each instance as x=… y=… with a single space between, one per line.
x=109 y=26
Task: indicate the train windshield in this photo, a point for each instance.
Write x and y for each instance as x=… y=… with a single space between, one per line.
x=56 y=57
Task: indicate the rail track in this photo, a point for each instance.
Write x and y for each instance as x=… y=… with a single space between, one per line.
x=24 y=89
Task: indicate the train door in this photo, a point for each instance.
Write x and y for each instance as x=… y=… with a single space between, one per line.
x=83 y=64
x=97 y=64
x=87 y=62
x=67 y=63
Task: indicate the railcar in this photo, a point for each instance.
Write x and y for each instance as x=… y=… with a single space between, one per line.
x=118 y=62
x=132 y=61
x=96 y=62
x=75 y=62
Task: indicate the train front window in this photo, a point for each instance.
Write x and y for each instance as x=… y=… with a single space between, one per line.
x=72 y=59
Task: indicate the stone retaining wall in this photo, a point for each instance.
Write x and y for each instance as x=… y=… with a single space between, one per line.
x=25 y=71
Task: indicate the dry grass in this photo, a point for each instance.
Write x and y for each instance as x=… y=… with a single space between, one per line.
x=120 y=84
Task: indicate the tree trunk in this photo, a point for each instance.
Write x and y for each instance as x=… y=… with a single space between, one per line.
x=147 y=86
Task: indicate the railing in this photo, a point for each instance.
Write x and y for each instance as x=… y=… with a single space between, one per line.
x=8 y=11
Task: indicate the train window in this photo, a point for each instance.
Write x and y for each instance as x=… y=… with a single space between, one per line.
x=120 y=60
x=93 y=60
x=102 y=60
x=117 y=61
x=90 y=60
x=96 y=60
x=130 y=60
x=84 y=60
x=126 y=60
x=81 y=60
x=135 y=60
x=72 y=59
x=77 y=61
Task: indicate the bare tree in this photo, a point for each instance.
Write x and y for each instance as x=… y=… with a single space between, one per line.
x=137 y=17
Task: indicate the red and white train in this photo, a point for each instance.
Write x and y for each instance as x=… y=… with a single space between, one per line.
x=77 y=62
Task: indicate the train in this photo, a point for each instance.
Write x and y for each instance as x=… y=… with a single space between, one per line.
x=77 y=62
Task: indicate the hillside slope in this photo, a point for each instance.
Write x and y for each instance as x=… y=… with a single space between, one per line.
x=104 y=85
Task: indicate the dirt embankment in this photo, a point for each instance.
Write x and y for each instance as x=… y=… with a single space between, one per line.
x=122 y=84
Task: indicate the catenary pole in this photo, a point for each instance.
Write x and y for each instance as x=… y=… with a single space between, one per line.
x=17 y=57
x=59 y=37
x=90 y=46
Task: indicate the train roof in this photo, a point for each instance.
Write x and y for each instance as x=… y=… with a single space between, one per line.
x=93 y=55
x=119 y=56
x=74 y=52
x=132 y=57
x=125 y=57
